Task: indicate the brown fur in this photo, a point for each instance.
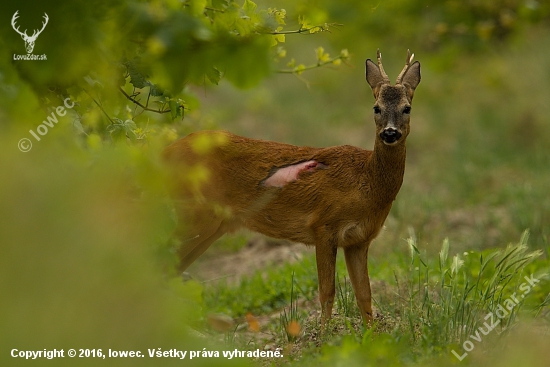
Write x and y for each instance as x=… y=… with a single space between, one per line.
x=342 y=204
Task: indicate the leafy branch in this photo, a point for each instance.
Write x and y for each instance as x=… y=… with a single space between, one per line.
x=138 y=80
x=313 y=29
x=145 y=107
x=187 y=4
x=323 y=59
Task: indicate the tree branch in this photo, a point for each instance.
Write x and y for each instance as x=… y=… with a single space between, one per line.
x=98 y=105
x=140 y=104
x=208 y=8
x=298 y=71
x=322 y=28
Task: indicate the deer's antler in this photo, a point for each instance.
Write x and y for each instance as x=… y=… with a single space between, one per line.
x=408 y=63
x=384 y=75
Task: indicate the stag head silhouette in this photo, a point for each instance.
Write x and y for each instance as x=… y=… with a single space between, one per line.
x=29 y=40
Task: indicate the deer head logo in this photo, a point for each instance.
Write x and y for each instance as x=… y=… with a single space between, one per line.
x=29 y=40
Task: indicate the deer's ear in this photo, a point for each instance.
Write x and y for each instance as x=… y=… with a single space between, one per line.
x=374 y=76
x=411 y=79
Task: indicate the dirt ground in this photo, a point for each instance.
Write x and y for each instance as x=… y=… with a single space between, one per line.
x=259 y=253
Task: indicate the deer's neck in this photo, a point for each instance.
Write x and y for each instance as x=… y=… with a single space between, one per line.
x=385 y=172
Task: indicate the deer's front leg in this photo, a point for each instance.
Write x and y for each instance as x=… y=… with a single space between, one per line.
x=356 y=262
x=325 y=255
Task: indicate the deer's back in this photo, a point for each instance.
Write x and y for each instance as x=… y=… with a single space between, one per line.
x=333 y=198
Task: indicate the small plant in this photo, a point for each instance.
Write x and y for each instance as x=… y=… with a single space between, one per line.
x=449 y=301
x=345 y=305
x=289 y=321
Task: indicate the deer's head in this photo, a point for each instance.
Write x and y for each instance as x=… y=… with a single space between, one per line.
x=392 y=106
x=29 y=40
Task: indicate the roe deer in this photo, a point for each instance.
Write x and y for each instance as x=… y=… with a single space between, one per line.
x=323 y=197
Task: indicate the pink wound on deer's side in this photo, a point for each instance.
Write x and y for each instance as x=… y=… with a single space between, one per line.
x=290 y=173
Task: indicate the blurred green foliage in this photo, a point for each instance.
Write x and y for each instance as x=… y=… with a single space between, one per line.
x=429 y=25
x=124 y=58
x=81 y=259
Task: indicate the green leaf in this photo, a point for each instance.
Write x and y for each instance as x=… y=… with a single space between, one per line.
x=129 y=126
x=278 y=15
x=304 y=24
x=122 y=129
x=344 y=54
x=322 y=56
x=137 y=79
x=156 y=91
x=175 y=109
x=249 y=7
x=291 y=63
x=276 y=39
x=315 y=29
x=196 y=7
x=214 y=75
x=299 y=69
x=243 y=26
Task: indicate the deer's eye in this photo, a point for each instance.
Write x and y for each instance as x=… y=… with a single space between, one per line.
x=407 y=110
x=377 y=110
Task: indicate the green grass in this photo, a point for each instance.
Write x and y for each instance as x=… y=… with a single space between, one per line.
x=427 y=306
x=290 y=321
x=264 y=291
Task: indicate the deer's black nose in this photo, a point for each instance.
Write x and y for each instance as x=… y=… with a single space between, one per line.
x=390 y=135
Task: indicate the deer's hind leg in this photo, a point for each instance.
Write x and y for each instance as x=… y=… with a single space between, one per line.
x=197 y=230
x=356 y=262
x=326 y=268
x=190 y=251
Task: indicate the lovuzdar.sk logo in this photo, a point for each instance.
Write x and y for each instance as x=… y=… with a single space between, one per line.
x=29 y=40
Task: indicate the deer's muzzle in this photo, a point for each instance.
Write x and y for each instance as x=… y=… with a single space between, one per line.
x=390 y=135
